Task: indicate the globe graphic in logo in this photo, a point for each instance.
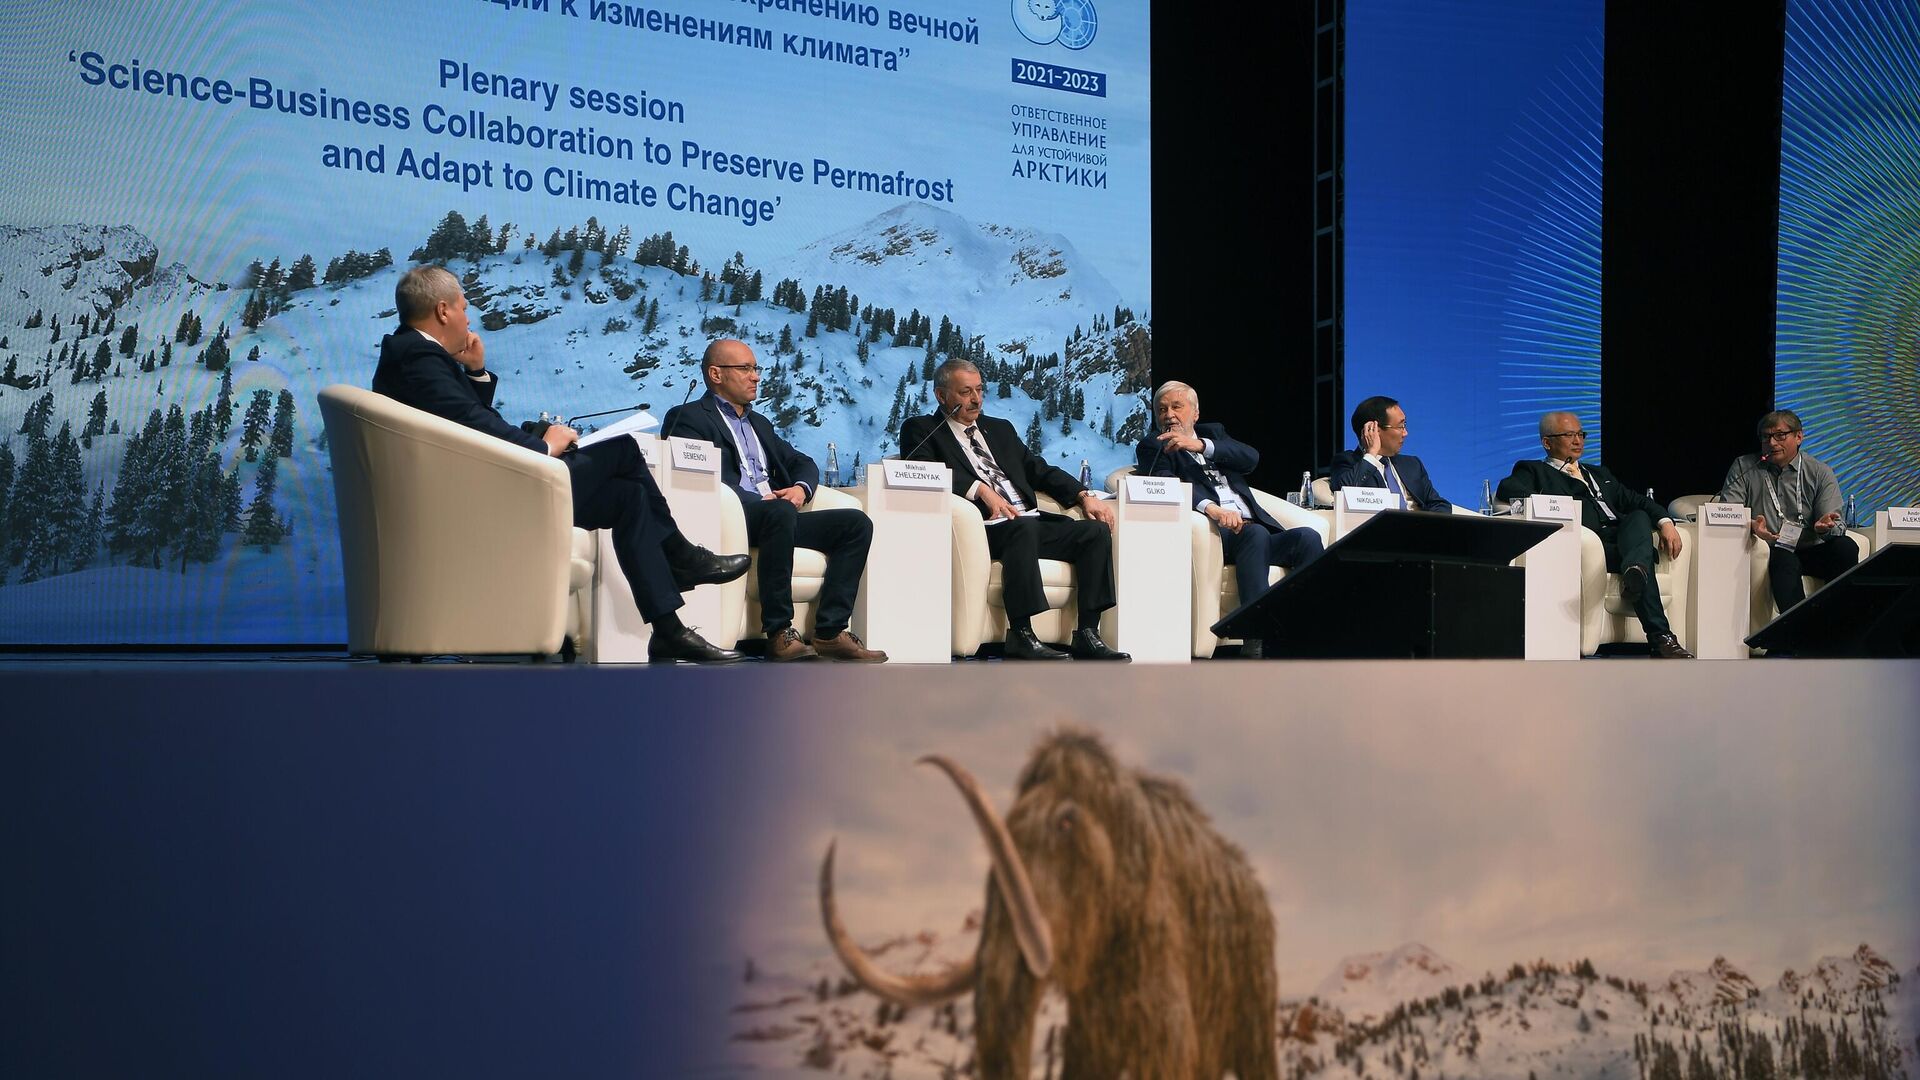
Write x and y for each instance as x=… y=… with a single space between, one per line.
x=1078 y=23
x=1070 y=22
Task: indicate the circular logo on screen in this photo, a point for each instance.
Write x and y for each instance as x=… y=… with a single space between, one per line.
x=1072 y=23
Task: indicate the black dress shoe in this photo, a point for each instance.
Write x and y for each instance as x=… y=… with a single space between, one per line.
x=1667 y=647
x=1633 y=584
x=1026 y=645
x=698 y=566
x=1087 y=645
x=686 y=644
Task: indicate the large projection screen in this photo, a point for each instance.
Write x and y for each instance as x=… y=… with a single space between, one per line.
x=207 y=206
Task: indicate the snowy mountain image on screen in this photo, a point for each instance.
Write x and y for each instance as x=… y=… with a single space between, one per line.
x=580 y=317
x=1406 y=1013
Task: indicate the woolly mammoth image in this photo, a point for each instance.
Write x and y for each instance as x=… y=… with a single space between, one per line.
x=1111 y=886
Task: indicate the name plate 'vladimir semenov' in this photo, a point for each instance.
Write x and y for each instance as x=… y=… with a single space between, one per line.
x=1161 y=490
x=1734 y=514
x=1366 y=500
x=1552 y=508
x=914 y=475
x=695 y=455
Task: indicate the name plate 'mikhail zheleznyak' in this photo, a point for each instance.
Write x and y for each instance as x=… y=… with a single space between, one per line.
x=914 y=475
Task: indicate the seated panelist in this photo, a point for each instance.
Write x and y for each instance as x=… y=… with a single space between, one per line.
x=434 y=362
x=773 y=481
x=1623 y=518
x=1377 y=462
x=993 y=469
x=1796 y=501
x=1216 y=466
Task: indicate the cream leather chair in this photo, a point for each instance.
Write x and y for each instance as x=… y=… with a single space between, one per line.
x=1216 y=591
x=809 y=572
x=1762 y=609
x=1605 y=615
x=452 y=541
x=979 y=605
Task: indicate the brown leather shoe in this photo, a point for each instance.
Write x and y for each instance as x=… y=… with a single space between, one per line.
x=846 y=646
x=785 y=644
x=1668 y=647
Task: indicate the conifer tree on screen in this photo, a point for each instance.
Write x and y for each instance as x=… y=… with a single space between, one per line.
x=302 y=274
x=263 y=524
x=86 y=544
x=129 y=340
x=215 y=356
x=31 y=546
x=253 y=428
x=6 y=504
x=1035 y=434
x=96 y=416
x=282 y=441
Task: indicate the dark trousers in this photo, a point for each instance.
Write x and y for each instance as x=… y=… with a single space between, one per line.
x=1629 y=542
x=1020 y=544
x=776 y=527
x=613 y=490
x=1256 y=547
x=1825 y=560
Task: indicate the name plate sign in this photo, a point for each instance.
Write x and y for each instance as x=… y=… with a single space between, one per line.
x=1366 y=500
x=914 y=475
x=695 y=455
x=1903 y=517
x=649 y=449
x=1552 y=508
x=1720 y=513
x=1163 y=490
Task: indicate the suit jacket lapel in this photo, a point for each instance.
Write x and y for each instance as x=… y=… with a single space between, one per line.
x=949 y=445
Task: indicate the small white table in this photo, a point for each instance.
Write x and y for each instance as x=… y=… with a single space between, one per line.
x=691 y=483
x=1721 y=590
x=1152 y=617
x=1352 y=506
x=1553 y=579
x=905 y=604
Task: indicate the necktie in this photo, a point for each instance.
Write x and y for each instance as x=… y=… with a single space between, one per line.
x=994 y=476
x=1393 y=478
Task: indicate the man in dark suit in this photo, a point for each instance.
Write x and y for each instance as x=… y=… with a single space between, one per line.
x=1623 y=518
x=993 y=469
x=1377 y=461
x=773 y=481
x=434 y=362
x=1205 y=457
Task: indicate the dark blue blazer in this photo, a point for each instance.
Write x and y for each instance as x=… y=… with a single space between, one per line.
x=1233 y=459
x=702 y=420
x=416 y=371
x=1351 y=469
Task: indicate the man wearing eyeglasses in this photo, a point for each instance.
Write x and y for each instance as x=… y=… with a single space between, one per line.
x=1377 y=462
x=1796 y=503
x=773 y=481
x=1624 y=519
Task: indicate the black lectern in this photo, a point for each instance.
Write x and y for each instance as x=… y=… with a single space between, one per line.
x=1872 y=610
x=1403 y=584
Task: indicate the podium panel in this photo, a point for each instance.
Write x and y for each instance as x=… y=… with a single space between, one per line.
x=905 y=605
x=1720 y=594
x=1152 y=617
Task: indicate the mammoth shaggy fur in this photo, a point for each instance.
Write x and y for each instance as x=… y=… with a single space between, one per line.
x=1112 y=886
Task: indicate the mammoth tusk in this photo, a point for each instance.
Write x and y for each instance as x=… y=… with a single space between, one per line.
x=904 y=989
x=1016 y=889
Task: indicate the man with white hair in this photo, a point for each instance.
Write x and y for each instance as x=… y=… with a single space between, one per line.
x=434 y=362
x=1215 y=465
x=1624 y=519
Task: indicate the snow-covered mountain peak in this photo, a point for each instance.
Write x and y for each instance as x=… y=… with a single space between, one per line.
x=1370 y=984
x=1720 y=984
x=69 y=270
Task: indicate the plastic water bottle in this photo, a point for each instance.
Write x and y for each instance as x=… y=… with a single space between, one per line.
x=833 y=465
x=1086 y=474
x=1486 y=498
x=1846 y=519
x=1306 y=490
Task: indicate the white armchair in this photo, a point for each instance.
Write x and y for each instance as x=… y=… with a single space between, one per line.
x=979 y=606
x=809 y=571
x=452 y=541
x=1762 y=609
x=1605 y=615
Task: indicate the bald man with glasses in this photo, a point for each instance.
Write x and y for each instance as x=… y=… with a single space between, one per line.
x=1624 y=519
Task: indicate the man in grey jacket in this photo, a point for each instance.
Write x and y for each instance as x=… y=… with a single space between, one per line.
x=1796 y=503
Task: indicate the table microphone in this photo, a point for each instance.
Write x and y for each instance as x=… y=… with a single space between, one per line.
x=946 y=414
x=688 y=396
x=572 y=420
